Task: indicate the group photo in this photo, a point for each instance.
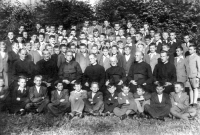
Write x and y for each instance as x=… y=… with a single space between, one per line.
x=100 y=67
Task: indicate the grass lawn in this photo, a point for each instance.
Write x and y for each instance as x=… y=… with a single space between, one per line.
x=35 y=125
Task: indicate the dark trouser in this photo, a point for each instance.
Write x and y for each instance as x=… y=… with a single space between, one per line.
x=99 y=106
x=109 y=107
x=41 y=106
x=57 y=110
x=17 y=105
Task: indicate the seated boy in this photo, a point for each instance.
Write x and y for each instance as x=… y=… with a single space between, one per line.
x=160 y=103
x=94 y=102
x=77 y=99
x=38 y=96
x=141 y=98
x=110 y=100
x=126 y=102
x=180 y=103
x=3 y=94
x=20 y=97
x=59 y=100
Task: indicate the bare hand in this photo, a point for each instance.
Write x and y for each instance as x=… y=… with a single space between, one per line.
x=120 y=83
x=107 y=82
x=133 y=82
x=86 y=84
x=62 y=100
x=18 y=99
x=66 y=81
x=72 y=82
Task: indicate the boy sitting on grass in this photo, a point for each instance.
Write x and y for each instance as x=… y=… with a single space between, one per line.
x=20 y=97
x=110 y=100
x=126 y=102
x=180 y=103
x=77 y=99
x=3 y=94
x=38 y=96
x=141 y=98
x=94 y=102
x=59 y=100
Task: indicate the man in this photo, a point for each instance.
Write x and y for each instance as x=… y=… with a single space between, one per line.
x=193 y=74
x=140 y=73
x=186 y=45
x=114 y=52
x=173 y=43
x=93 y=73
x=70 y=71
x=165 y=72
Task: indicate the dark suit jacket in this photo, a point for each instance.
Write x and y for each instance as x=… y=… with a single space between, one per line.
x=97 y=97
x=36 y=97
x=4 y=63
x=182 y=102
x=24 y=97
x=111 y=100
x=8 y=45
x=127 y=64
x=83 y=61
x=55 y=97
x=154 y=101
x=180 y=70
x=12 y=57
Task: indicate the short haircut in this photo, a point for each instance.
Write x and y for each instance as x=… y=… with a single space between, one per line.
x=161 y=84
x=194 y=46
x=141 y=87
x=94 y=55
x=179 y=83
x=56 y=46
x=57 y=82
x=21 y=78
x=19 y=35
x=127 y=47
x=77 y=83
x=51 y=36
x=103 y=34
x=23 y=49
x=115 y=46
x=152 y=44
x=82 y=44
x=69 y=51
x=147 y=37
x=95 y=30
x=105 y=48
x=2 y=43
x=37 y=76
x=62 y=45
x=95 y=46
x=167 y=45
x=120 y=41
x=95 y=83
x=114 y=58
x=125 y=85
x=165 y=52
x=138 y=33
x=110 y=85
x=45 y=50
x=179 y=47
x=41 y=34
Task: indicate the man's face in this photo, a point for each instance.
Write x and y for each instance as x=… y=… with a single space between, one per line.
x=77 y=87
x=112 y=89
x=19 y=39
x=64 y=42
x=94 y=23
x=113 y=62
x=125 y=90
x=179 y=52
x=22 y=54
x=50 y=49
x=117 y=27
x=164 y=57
x=142 y=30
x=186 y=39
x=52 y=29
x=139 y=91
x=129 y=40
x=33 y=38
x=192 y=50
x=46 y=55
x=147 y=41
x=132 y=31
x=10 y=35
x=178 y=88
x=73 y=48
x=172 y=36
x=56 y=50
x=159 y=90
x=138 y=56
x=140 y=48
x=94 y=50
x=152 y=49
x=92 y=59
x=129 y=25
x=64 y=33
x=68 y=56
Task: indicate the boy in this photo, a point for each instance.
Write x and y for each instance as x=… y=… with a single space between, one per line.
x=180 y=65
x=61 y=57
x=94 y=102
x=41 y=41
x=193 y=74
x=20 y=97
x=38 y=96
x=141 y=98
x=36 y=54
x=19 y=39
x=56 y=53
x=4 y=62
x=114 y=52
x=3 y=94
x=110 y=100
x=153 y=57
x=59 y=100
x=126 y=102
x=160 y=103
x=173 y=43
x=166 y=47
x=120 y=47
x=104 y=59
x=77 y=99
x=186 y=45
x=180 y=103
x=165 y=36
x=158 y=42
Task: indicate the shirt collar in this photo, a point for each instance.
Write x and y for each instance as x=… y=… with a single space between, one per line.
x=173 y=40
x=180 y=57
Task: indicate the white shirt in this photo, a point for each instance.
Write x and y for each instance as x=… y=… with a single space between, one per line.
x=93 y=94
x=160 y=97
x=173 y=41
x=58 y=92
x=104 y=57
x=39 y=52
x=121 y=50
x=159 y=41
x=21 y=89
x=127 y=57
x=3 y=54
x=180 y=57
x=152 y=54
x=38 y=89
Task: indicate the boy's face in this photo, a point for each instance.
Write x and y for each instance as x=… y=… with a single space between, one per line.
x=94 y=88
x=60 y=38
x=178 y=88
x=106 y=23
x=107 y=44
x=120 y=45
x=94 y=50
x=105 y=52
x=92 y=59
x=33 y=37
x=68 y=56
x=152 y=48
x=102 y=38
x=159 y=90
x=56 y=50
x=138 y=37
x=25 y=34
x=21 y=28
x=148 y=41
x=38 y=81
x=1 y=82
x=82 y=49
x=112 y=89
x=37 y=46
x=41 y=38
x=52 y=40
x=152 y=33
x=140 y=92
x=121 y=32
x=50 y=49
x=192 y=50
x=16 y=46
x=64 y=32
x=48 y=29
x=117 y=27
x=165 y=48
x=22 y=83
x=125 y=90
x=146 y=26
x=90 y=38
x=77 y=87
x=129 y=40
x=52 y=29
x=64 y=42
x=164 y=57
x=127 y=51
x=157 y=37
x=118 y=38
x=59 y=86
x=10 y=35
x=114 y=50
x=2 y=48
x=165 y=36
x=22 y=54
x=129 y=24
x=140 y=48
x=186 y=39
x=42 y=30
x=28 y=46
x=63 y=49
x=132 y=31
x=46 y=55
x=96 y=34
x=60 y=27
x=111 y=38
x=179 y=52
x=19 y=39
x=142 y=30
x=73 y=48
x=172 y=36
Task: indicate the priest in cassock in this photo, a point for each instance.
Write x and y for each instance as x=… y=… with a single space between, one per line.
x=140 y=73
x=115 y=74
x=165 y=72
